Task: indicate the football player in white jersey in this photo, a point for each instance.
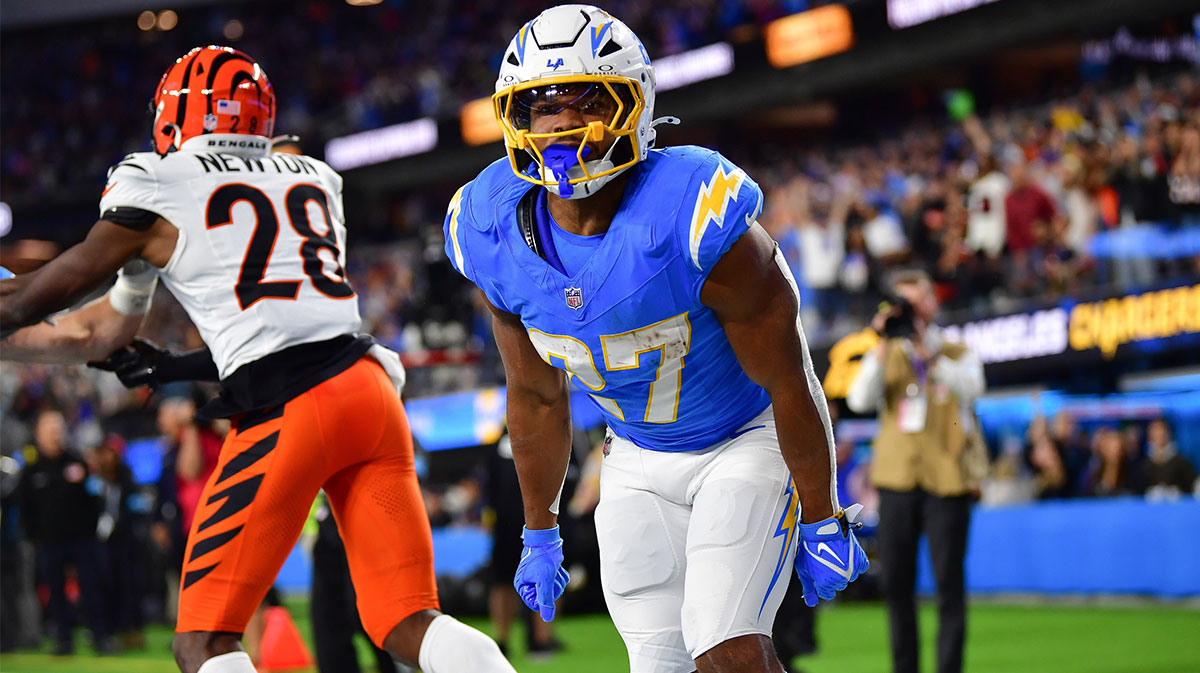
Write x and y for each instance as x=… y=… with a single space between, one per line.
x=252 y=246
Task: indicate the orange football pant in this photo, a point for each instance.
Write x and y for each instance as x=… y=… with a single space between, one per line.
x=348 y=435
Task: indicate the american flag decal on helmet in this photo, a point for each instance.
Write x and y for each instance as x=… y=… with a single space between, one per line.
x=574 y=297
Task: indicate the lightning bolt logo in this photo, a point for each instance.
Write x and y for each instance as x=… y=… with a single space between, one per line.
x=521 y=37
x=787 y=530
x=598 y=33
x=711 y=204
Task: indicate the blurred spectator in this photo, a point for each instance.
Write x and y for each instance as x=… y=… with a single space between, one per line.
x=822 y=247
x=1027 y=208
x=1165 y=474
x=882 y=232
x=986 y=226
x=1072 y=448
x=1109 y=472
x=1008 y=481
x=121 y=529
x=196 y=447
x=1080 y=208
x=19 y=610
x=1184 y=180
x=855 y=274
x=60 y=518
x=1045 y=456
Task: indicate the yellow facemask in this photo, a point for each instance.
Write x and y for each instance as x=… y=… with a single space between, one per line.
x=516 y=106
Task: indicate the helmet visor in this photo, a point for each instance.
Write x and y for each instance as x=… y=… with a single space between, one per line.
x=533 y=108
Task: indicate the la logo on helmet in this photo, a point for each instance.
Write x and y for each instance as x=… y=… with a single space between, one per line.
x=555 y=65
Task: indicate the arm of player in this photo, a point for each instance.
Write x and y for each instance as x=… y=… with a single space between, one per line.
x=28 y=298
x=539 y=420
x=755 y=299
x=539 y=426
x=91 y=332
x=757 y=309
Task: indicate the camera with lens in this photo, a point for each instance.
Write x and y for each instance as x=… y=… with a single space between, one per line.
x=900 y=323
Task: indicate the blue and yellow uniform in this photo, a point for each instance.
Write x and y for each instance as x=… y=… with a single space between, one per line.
x=628 y=324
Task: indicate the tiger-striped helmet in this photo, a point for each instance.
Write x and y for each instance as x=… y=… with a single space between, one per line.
x=211 y=90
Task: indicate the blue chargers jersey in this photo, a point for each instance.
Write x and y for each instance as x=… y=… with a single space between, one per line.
x=628 y=327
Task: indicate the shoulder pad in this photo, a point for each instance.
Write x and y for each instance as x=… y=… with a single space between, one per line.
x=485 y=197
x=719 y=205
x=132 y=183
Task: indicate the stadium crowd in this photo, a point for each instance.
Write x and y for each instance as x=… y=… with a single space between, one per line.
x=1060 y=460
x=407 y=60
x=1000 y=210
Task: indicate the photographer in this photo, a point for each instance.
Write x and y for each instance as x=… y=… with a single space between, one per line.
x=928 y=461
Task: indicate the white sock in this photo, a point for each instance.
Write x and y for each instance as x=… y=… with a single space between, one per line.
x=230 y=662
x=450 y=646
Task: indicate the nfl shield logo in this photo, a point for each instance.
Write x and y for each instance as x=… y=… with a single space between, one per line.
x=574 y=297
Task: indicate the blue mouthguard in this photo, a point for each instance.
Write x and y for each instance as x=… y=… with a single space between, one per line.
x=559 y=159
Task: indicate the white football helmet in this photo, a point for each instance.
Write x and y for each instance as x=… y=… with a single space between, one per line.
x=576 y=55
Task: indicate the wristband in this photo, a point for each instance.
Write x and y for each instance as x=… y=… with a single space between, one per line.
x=132 y=293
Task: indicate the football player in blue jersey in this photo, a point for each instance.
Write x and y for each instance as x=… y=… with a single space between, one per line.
x=640 y=278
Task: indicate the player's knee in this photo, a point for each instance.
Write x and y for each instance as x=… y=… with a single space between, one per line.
x=744 y=654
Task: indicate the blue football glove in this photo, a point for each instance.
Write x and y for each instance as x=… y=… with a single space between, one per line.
x=541 y=579
x=829 y=557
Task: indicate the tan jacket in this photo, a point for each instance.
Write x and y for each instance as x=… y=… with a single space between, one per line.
x=948 y=457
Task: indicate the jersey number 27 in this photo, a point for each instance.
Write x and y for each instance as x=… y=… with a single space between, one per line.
x=672 y=338
x=250 y=285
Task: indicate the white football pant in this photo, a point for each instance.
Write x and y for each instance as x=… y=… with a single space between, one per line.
x=696 y=548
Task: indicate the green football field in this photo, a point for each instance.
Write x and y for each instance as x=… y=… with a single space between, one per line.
x=852 y=637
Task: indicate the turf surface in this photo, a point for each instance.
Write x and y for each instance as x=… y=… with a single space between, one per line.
x=852 y=637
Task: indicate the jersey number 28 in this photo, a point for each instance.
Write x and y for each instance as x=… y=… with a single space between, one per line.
x=250 y=286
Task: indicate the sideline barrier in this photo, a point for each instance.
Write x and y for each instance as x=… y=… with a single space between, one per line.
x=1069 y=547
x=1082 y=547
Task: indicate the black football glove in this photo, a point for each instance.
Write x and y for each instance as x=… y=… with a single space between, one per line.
x=136 y=364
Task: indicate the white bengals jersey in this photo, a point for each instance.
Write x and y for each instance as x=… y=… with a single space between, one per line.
x=259 y=264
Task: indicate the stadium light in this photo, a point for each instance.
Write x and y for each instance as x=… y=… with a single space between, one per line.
x=363 y=3
x=146 y=20
x=808 y=36
x=479 y=125
x=167 y=20
x=233 y=30
x=384 y=144
x=689 y=67
x=906 y=13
